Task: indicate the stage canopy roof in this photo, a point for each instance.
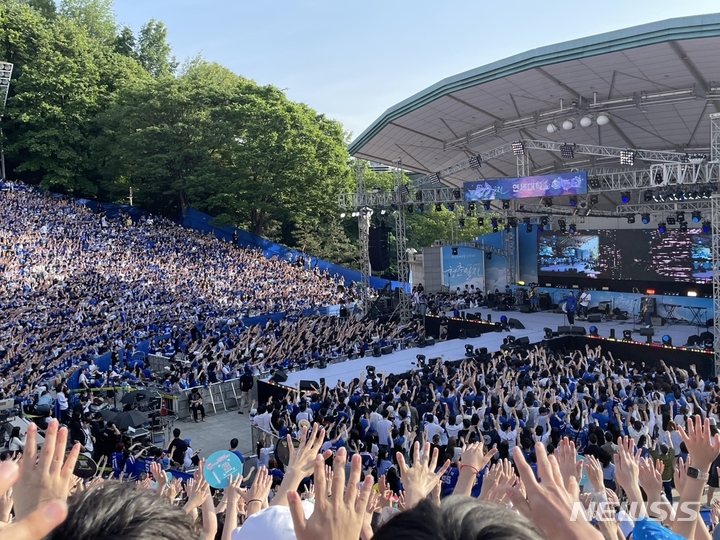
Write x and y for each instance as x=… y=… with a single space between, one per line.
x=656 y=83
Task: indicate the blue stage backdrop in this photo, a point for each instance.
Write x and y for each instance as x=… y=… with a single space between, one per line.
x=465 y=268
x=549 y=185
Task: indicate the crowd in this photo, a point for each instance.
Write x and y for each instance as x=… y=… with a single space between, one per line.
x=77 y=284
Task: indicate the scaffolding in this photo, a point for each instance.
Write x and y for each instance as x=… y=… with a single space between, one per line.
x=715 y=219
x=364 y=217
x=400 y=190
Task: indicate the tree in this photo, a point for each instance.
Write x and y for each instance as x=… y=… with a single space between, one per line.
x=46 y=8
x=153 y=50
x=96 y=16
x=125 y=43
x=430 y=225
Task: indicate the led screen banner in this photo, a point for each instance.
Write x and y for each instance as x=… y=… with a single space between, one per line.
x=548 y=185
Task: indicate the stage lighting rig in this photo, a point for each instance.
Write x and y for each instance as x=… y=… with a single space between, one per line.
x=471 y=207
x=696 y=217
x=438 y=207
x=648 y=196
x=544 y=220
x=547 y=201
x=683 y=226
x=593 y=200
x=567 y=151
x=645 y=218
x=661 y=228
x=631 y=218
x=659 y=177
x=461 y=222
x=594 y=183
x=627 y=157
x=486 y=205
x=572 y=229
x=561 y=225
x=506 y=204
x=625 y=197
x=572 y=201
x=518 y=148
x=680 y=216
x=481 y=221
x=670 y=220
x=450 y=206
x=454 y=250
x=706 y=227
x=475 y=162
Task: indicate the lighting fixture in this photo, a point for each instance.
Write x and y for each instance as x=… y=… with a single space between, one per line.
x=696 y=216
x=627 y=335
x=548 y=333
x=645 y=218
x=410 y=208
x=518 y=148
x=552 y=127
x=475 y=162
x=506 y=204
x=438 y=207
x=670 y=220
x=667 y=340
x=433 y=178
x=648 y=196
x=593 y=200
x=680 y=216
x=692 y=294
x=544 y=220
x=481 y=222
x=594 y=183
x=567 y=151
x=457 y=194
x=631 y=218
x=454 y=250
x=594 y=331
x=568 y=124
x=586 y=121
x=486 y=205
x=488 y=255
x=528 y=227
x=471 y=207
x=683 y=226
x=561 y=225
x=627 y=157
x=461 y=222
x=625 y=197
x=512 y=222
x=420 y=208
x=450 y=206
x=572 y=201
x=572 y=229
x=540 y=228
x=494 y=224
x=547 y=201
x=661 y=228
x=706 y=226
x=418 y=196
x=658 y=177
x=602 y=119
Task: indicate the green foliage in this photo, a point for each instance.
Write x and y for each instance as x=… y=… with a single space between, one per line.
x=430 y=225
x=153 y=51
x=96 y=16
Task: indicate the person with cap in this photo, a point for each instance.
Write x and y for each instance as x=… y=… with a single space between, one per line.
x=666 y=455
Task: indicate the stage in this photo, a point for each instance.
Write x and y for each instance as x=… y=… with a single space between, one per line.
x=534 y=323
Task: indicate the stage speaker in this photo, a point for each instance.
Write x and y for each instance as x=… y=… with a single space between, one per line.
x=309 y=385
x=376 y=352
x=386 y=350
x=422 y=342
x=322 y=362
x=647 y=331
x=522 y=341
x=595 y=317
x=280 y=376
x=544 y=302
x=578 y=330
x=430 y=341
x=481 y=350
x=473 y=333
x=705 y=336
x=709 y=323
x=379 y=248
x=657 y=321
x=693 y=340
x=462 y=334
x=524 y=309
x=514 y=323
x=564 y=330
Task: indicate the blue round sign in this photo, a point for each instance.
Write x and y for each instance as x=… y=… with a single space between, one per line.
x=219 y=467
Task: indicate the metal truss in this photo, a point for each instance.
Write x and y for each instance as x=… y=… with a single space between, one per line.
x=6 y=70
x=364 y=237
x=595 y=150
x=715 y=140
x=669 y=206
x=715 y=219
x=511 y=257
x=502 y=252
x=404 y=309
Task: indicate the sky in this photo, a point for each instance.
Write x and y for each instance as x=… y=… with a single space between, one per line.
x=353 y=60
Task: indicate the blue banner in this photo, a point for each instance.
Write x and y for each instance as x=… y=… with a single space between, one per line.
x=548 y=185
x=463 y=269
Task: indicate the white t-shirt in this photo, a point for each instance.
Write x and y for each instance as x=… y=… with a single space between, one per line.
x=431 y=430
x=384 y=431
x=510 y=437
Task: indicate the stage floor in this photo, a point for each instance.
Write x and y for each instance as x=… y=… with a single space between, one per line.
x=402 y=361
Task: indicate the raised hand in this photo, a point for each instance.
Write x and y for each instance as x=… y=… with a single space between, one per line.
x=341 y=516
x=701 y=446
x=159 y=476
x=197 y=490
x=549 y=504
x=47 y=476
x=650 y=477
x=475 y=456
x=595 y=473
x=570 y=465
x=420 y=479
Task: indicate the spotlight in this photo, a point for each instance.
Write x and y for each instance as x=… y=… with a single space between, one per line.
x=680 y=216
x=666 y=340
x=410 y=208
x=594 y=331
x=481 y=221
x=540 y=227
x=568 y=124
x=438 y=207
x=488 y=255
x=512 y=222
x=631 y=218
x=518 y=148
x=450 y=206
x=506 y=205
x=342 y=215
x=433 y=178
x=454 y=250
x=475 y=162
x=683 y=226
x=503 y=319
x=594 y=183
x=471 y=207
x=670 y=220
x=461 y=222
x=645 y=218
x=548 y=333
x=648 y=196
x=706 y=226
x=418 y=196
x=567 y=151
x=586 y=121
x=659 y=177
x=625 y=197
x=552 y=127
x=572 y=229
x=627 y=335
x=486 y=205
x=420 y=208
x=661 y=228
x=561 y=225
x=547 y=201
x=544 y=220
x=696 y=216
x=572 y=201
x=602 y=119
x=494 y=224
x=528 y=227
x=593 y=200
x=457 y=194
x=627 y=157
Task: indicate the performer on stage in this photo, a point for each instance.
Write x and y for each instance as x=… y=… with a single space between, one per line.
x=570 y=305
x=646 y=310
x=584 y=303
x=532 y=294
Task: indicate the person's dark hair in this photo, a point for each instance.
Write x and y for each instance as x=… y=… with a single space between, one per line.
x=233 y=443
x=176 y=432
x=119 y=510
x=459 y=518
x=15 y=432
